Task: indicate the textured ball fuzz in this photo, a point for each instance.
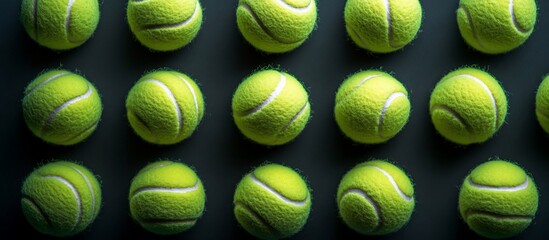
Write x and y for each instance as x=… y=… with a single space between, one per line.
x=167 y=197
x=164 y=25
x=498 y=199
x=165 y=107
x=60 y=24
x=272 y=202
x=468 y=106
x=375 y=198
x=542 y=104
x=271 y=107
x=276 y=26
x=371 y=107
x=382 y=26
x=61 y=198
x=496 y=26
x=61 y=107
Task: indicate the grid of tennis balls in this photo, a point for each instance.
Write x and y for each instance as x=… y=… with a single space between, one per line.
x=278 y=26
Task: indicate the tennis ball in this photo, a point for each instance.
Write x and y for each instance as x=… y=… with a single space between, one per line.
x=164 y=25
x=61 y=107
x=375 y=198
x=498 y=199
x=371 y=107
x=166 y=197
x=165 y=107
x=276 y=26
x=496 y=26
x=382 y=26
x=272 y=202
x=271 y=107
x=468 y=106
x=542 y=104
x=61 y=198
x=60 y=24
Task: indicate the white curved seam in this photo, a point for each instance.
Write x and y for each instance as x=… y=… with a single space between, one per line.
x=368 y=199
x=159 y=166
x=279 y=87
x=395 y=186
x=56 y=76
x=166 y=190
x=294 y=118
x=89 y=188
x=173 y=100
x=522 y=186
x=386 y=106
x=195 y=99
x=56 y=111
x=297 y=9
x=389 y=22
x=74 y=191
x=487 y=90
x=196 y=9
x=365 y=80
x=514 y=18
x=68 y=17
x=277 y=194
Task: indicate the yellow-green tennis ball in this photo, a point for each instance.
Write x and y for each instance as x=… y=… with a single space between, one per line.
x=276 y=26
x=468 y=106
x=61 y=107
x=371 y=107
x=167 y=197
x=164 y=25
x=61 y=198
x=498 y=199
x=382 y=26
x=60 y=24
x=272 y=202
x=375 y=198
x=542 y=104
x=271 y=107
x=496 y=26
x=165 y=107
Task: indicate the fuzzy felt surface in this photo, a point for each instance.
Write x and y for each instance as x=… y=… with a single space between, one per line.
x=542 y=104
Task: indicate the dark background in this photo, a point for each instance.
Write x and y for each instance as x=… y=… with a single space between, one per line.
x=219 y=58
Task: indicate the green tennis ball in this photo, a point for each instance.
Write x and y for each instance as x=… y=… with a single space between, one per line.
x=61 y=107
x=272 y=202
x=371 y=107
x=468 y=106
x=498 y=199
x=496 y=26
x=375 y=198
x=164 y=25
x=276 y=26
x=61 y=198
x=542 y=104
x=382 y=26
x=60 y=24
x=167 y=197
x=165 y=107
x=271 y=107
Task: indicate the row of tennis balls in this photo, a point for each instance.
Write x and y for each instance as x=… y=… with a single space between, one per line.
x=277 y=26
x=271 y=107
x=497 y=199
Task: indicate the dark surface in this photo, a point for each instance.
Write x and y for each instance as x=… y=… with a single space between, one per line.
x=219 y=58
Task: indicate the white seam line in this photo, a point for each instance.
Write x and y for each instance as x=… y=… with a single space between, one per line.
x=368 y=199
x=386 y=106
x=279 y=87
x=172 y=98
x=294 y=118
x=364 y=80
x=68 y=18
x=158 y=166
x=56 y=76
x=297 y=9
x=76 y=195
x=56 y=111
x=195 y=99
x=389 y=23
x=89 y=188
x=166 y=189
x=453 y=113
x=175 y=25
x=277 y=194
x=522 y=186
x=395 y=185
x=487 y=90
x=514 y=18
